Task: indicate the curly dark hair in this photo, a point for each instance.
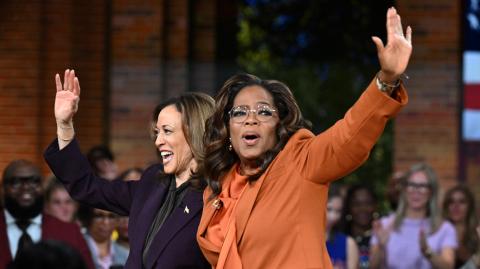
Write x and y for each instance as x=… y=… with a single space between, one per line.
x=219 y=159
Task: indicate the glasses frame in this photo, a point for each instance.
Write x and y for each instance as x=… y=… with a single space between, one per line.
x=29 y=181
x=255 y=111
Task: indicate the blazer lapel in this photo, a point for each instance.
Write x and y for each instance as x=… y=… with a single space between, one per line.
x=182 y=215
x=148 y=213
x=207 y=215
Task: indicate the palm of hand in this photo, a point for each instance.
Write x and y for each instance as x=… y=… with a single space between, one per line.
x=66 y=105
x=394 y=59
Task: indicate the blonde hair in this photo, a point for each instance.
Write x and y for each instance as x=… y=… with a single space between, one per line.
x=433 y=211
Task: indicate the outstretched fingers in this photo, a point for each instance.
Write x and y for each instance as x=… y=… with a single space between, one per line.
x=65 y=79
x=58 y=82
x=409 y=35
x=71 y=80
x=378 y=43
x=76 y=87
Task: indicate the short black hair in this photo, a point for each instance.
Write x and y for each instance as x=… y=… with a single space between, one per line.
x=48 y=254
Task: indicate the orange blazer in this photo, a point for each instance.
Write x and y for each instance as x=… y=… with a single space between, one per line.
x=280 y=218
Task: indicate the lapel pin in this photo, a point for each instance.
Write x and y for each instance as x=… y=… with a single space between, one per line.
x=186 y=210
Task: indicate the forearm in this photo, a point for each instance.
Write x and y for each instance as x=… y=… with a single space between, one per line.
x=346 y=145
x=438 y=262
x=65 y=134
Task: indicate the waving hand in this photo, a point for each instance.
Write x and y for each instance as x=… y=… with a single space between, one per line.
x=394 y=56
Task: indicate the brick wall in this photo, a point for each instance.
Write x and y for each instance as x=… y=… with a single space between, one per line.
x=428 y=129
x=160 y=49
x=129 y=56
x=38 y=39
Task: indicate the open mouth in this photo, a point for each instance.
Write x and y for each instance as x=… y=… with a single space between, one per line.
x=250 y=139
x=166 y=156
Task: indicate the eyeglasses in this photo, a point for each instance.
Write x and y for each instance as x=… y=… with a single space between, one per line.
x=239 y=114
x=29 y=182
x=420 y=187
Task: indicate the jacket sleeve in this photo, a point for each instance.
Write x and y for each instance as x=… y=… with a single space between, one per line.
x=74 y=171
x=343 y=147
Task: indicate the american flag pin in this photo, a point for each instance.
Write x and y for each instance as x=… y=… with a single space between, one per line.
x=186 y=210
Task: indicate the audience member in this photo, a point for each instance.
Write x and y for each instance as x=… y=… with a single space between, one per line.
x=474 y=261
x=394 y=188
x=342 y=248
x=102 y=162
x=358 y=215
x=134 y=173
x=22 y=222
x=48 y=254
x=99 y=226
x=415 y=236
x=58 y=202
x=459 y=208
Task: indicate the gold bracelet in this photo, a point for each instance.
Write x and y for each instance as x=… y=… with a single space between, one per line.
x=66 y=139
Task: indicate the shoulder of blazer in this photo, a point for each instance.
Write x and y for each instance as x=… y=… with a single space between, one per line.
x=299 y=137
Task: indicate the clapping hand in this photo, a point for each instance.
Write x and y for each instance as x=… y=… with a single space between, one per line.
x=382 y=233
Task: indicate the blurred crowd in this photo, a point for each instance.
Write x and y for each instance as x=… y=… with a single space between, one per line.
x=419 y=231
x=62 y=233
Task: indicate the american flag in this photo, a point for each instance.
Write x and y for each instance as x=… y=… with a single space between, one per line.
x=471 y=72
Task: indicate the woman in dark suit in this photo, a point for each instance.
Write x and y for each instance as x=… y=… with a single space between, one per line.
x=165 y=205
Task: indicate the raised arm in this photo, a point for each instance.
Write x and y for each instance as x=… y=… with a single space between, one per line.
x=346 y=145
x=66 y=105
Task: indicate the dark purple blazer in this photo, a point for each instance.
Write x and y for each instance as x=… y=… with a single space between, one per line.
x=52 y=229
x=174 y=246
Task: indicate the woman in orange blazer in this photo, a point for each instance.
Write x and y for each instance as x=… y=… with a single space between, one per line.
x=269 y=175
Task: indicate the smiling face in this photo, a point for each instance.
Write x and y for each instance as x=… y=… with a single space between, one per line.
x=170 y=140
x=418 y=191
x=255 y=135
x=23 y=192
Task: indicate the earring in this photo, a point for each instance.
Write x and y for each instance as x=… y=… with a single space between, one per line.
x=348 y=217
x=375 y=215
x=230 y=147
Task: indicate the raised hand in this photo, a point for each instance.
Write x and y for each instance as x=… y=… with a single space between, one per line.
x=67 y=98
x=395 y=55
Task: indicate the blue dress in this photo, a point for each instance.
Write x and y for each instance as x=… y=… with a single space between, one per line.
x=337 y=249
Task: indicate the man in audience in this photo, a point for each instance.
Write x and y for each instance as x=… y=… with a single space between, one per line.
x=22 y=222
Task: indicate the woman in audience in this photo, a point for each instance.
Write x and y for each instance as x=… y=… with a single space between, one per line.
x=415 y=236
x=99 y=224
x=459 y=208
x=342 y=248
x=358 y=215
x=58 y=202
